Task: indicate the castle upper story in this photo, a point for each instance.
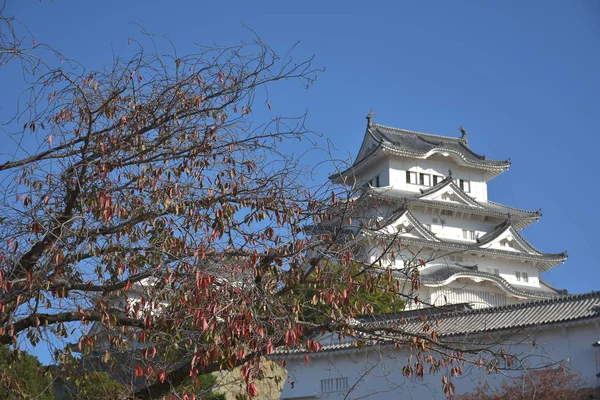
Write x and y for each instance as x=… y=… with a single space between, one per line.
x=413 y=161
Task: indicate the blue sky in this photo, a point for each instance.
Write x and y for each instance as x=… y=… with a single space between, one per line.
x=522 y=77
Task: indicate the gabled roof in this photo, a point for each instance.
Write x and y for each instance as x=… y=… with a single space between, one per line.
x=404 y=217
x=506 y=230
x=527 y=315
x=385 y=139
x=448 y=187
x=520 y=218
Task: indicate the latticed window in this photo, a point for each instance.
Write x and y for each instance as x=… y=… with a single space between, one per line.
x=334 y=385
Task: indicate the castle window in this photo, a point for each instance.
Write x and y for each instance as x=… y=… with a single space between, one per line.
x=436 y=179
x=411 y=177
x=428 y=226
x=524 y=277
x=464 y=185
x=518 y=276
x=334 y=385
x=435 y=220
x=447 y=212
x=377 y=181
x=425 y=179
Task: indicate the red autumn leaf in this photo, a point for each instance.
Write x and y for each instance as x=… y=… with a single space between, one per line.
x=138 y=370
x=252 y=390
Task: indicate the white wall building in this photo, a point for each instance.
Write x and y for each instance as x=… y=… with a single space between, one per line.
x=431 y=192
x=561 y=331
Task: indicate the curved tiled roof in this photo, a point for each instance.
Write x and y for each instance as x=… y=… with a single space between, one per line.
x=547 y=260
x=438 y=274
x=567 y=308
x=418 y=144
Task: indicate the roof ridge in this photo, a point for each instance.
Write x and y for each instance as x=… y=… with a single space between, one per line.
x=458 y=141
x=416 y=132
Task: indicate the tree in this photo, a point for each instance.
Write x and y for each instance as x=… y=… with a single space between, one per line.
x=22 y=377
x=143 y=200
x=97 y=386
x=550 y=384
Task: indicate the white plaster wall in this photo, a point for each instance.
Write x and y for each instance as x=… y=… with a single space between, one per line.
x=454 y=224
x=377 y=374
x=380 y=168
x=438 y=165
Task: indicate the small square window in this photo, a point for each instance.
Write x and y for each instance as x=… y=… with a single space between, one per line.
x=411 y=177
x=465 y=185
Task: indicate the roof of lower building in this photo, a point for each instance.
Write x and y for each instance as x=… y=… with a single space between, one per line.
x=527 y=315
x=561 y=309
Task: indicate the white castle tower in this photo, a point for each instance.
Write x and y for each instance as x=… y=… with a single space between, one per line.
x=431 y=192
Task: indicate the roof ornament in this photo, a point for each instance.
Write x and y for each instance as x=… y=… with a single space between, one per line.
x=464 y=133
x=370 y=117
x=449 y=173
